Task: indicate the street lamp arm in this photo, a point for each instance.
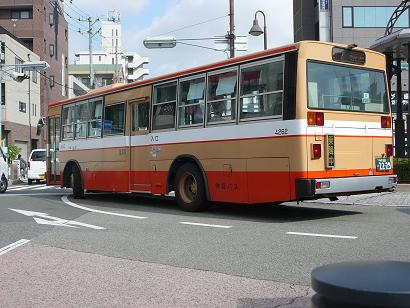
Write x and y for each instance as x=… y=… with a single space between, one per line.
x=210 y=48
x=264 y=17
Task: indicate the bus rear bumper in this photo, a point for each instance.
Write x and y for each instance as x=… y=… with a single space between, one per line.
x=332 y=187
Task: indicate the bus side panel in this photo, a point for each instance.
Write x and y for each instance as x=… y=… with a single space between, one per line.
x=268 y=186
x=227 y=180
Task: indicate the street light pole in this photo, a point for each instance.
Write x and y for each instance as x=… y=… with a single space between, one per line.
x=29 y=114
x=256 y=29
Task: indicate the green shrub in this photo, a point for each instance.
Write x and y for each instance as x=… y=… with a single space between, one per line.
x=402 y=169
x=13 y=151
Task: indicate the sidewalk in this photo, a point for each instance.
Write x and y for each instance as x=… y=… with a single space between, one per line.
x=400 y=197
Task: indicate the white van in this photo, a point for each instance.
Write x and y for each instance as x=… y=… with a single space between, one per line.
x=36 y=166
x=4 y=172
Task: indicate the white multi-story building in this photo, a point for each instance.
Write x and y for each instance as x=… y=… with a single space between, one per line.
x=111 y=64
x=20 y=107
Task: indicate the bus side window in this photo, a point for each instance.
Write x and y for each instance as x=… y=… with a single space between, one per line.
x=221 y=99
x=140 y=116
x=261 y=93
x=114 y=119
x=165 y=98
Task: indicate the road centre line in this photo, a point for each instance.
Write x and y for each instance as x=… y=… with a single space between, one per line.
x=204 y=225
x=12 y=246
x=68 y=202
x=323 y=235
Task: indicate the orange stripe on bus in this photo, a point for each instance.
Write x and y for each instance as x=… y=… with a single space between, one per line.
x=238 y=187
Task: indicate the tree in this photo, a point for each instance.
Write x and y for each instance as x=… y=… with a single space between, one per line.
x=13 y=151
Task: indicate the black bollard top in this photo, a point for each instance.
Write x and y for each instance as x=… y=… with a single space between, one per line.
x=370 y=283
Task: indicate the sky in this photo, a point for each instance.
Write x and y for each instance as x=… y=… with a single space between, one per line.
x=142 y=18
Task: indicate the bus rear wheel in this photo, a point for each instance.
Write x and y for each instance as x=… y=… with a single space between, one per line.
x=75 y=183
x=190 y=189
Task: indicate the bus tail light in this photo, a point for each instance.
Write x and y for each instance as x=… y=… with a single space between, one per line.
x=389 y=150
x=386 y=122
x=316 y=151
x=28 y=165
x=316 y=118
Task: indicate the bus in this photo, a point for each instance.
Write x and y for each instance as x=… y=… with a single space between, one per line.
x=305 y=121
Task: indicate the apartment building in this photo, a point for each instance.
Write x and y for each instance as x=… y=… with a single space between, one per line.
x=20 y=101
x=41 y=25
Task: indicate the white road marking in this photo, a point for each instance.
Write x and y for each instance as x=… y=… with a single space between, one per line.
x=41 y=187
x=12 y=246
x=204 y=225
x=68 y=202
x=45 y=219
x=323 y=235
x=18 y=188
x=36 y=194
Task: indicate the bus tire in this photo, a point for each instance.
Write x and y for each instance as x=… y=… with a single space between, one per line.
x=30 y=182
x=76 y=185
x=3 y=184
x=190 y=188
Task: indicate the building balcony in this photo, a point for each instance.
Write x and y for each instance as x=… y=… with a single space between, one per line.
x=138 y=74
x=137 y=63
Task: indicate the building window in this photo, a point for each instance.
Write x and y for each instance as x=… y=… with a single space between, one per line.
x=18 y=63
x=347 y=17
x=51 y=49
x=66 y=34
x=21 y=14
x=372 y=17
x=2 y=52
x=22 y=107
x=34 y=76
x=3 y=93
x=51 y=19
x=52 y=81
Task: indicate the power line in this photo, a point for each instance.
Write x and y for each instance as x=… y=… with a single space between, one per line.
x=85 y=13
x=196 y=24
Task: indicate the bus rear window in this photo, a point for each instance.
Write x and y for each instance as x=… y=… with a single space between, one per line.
x=337 y=87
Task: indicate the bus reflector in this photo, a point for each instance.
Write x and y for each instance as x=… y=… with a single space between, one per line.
x=316 y=118
x=386 y=122
x=323 y=185
x=389 y=150
x=316 y=151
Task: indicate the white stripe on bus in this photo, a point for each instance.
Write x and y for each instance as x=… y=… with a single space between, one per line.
x=247 y=130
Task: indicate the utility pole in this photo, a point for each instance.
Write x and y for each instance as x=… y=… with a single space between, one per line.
x=116 y=61
x=91 y=34
x=231 y=35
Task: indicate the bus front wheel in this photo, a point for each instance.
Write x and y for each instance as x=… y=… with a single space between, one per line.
x=75 y=181
x=190 y=188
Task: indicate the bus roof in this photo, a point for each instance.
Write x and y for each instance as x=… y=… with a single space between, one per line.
x=120 y=87
x=115 y=88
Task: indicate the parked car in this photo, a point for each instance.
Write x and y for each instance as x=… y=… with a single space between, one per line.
x=36 y=166
x=4 y=172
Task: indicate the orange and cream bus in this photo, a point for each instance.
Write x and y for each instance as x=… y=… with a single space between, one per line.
x=304 y=121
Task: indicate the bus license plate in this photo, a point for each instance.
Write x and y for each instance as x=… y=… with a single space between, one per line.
x=383 y=164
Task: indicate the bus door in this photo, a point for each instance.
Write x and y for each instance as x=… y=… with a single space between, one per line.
x=140 y=176
x=53 y=155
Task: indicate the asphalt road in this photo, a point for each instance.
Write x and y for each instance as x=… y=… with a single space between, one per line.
x=128 y=250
